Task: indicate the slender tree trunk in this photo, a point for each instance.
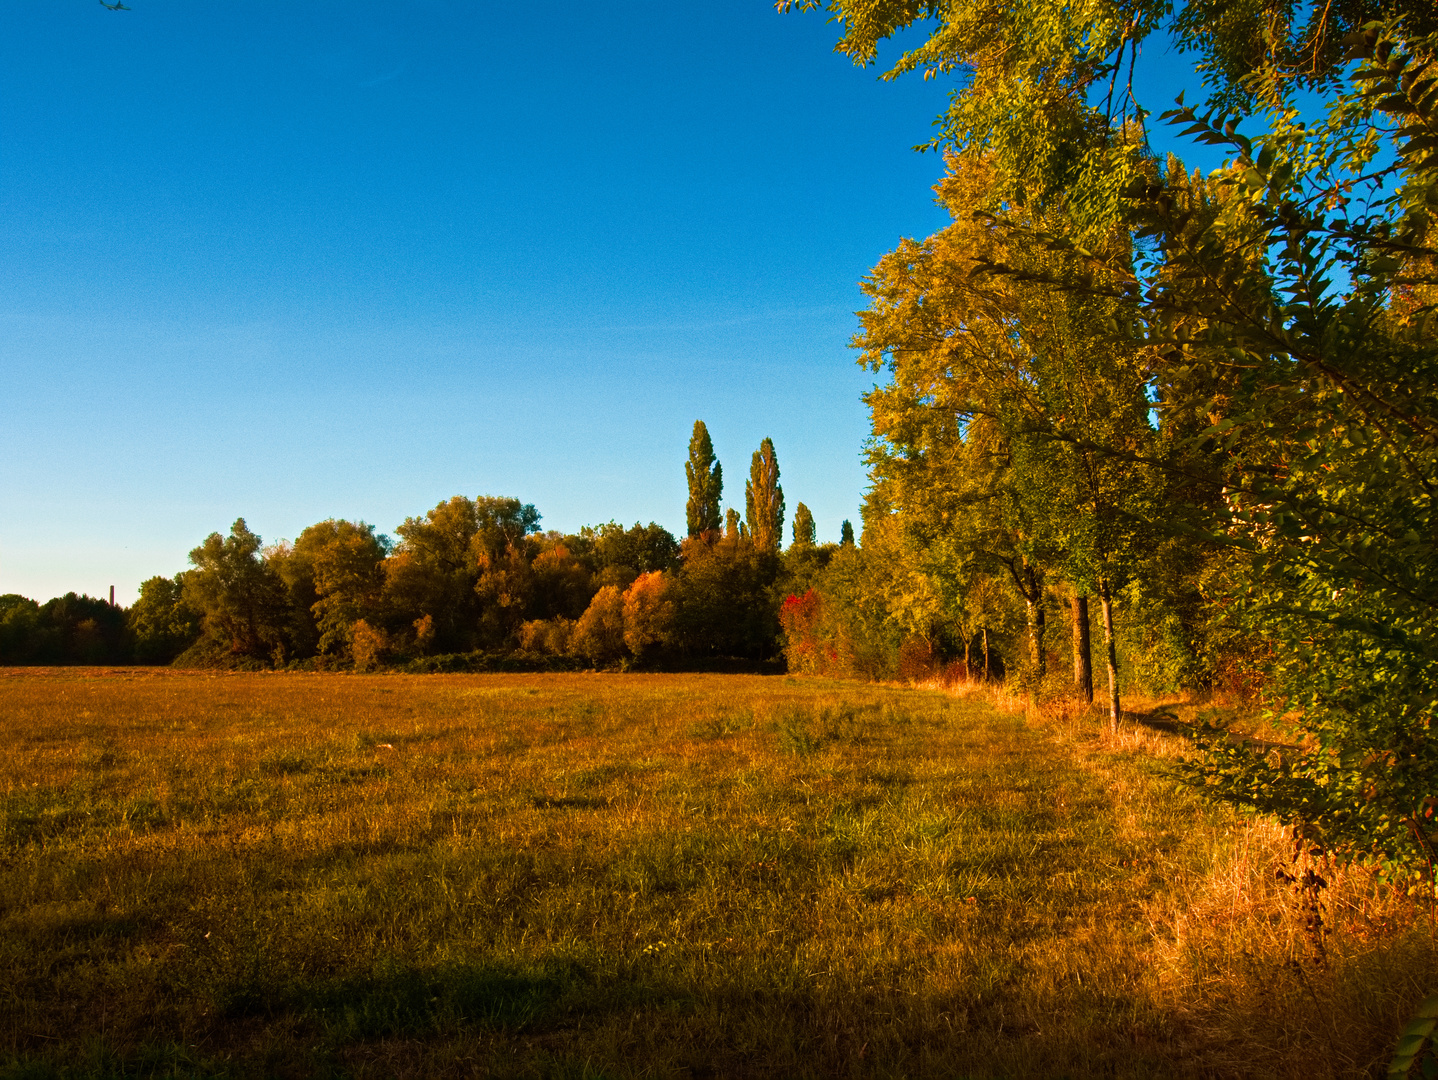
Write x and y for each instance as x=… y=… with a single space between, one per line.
x=1083 y=655
x=1036 y=637
x=986 y=654
x=968 y=671
x=1030 y=585
x=1105 y=596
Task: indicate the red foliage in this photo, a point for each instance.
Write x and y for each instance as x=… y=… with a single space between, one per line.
x=806 y=646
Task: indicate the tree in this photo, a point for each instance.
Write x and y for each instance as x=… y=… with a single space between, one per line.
x=1082 y=648
x=1016 y=421
x=764 y=499
x=599 y=634
x=439 y=561
x=840 y=623
x=505 y=587
x=561 y=586
x=334 y=572
x=1048 y=91
x=706 y=483
x=846 y=533
x=733 y=525
x=243 y=601
x=1289 y=297
x=19 y=629
x=69 y=629
x=805 y=535
x=161 y=624
x=432 y=572
x=503 y=521
x=368 y=645
x=648 y=614
x=723 y=599
x=1301 y=280
x=639 y=549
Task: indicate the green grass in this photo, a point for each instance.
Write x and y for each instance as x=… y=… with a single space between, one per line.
x=590 y=875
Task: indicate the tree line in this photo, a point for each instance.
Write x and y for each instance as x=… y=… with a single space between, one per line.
x=473 y=580
x=1198 y=409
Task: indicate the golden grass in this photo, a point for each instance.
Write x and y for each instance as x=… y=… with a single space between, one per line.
x=628 y=875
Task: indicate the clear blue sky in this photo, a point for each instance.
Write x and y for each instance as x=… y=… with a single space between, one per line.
x=295 y=261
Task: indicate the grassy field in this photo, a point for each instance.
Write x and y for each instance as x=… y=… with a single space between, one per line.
x=628 y=875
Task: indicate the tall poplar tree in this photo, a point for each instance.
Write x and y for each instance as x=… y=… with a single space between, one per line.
x=805 y=535
x=764 y=499
x=706 y=483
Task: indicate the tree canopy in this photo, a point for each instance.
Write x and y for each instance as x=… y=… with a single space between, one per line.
x=1207 y=398
x=1048 y=90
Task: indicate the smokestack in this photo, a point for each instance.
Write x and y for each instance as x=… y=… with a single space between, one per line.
x=112 y=596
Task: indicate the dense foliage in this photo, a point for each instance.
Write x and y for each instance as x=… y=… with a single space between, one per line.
x=471 y=582
x=1207 y=400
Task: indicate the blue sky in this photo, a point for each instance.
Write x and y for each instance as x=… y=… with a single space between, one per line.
x=295 y=261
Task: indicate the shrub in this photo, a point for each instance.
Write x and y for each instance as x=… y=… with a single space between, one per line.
x=548 y=636
x=368 y=644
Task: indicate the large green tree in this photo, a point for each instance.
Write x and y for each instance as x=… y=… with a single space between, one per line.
x=162 y=625
x=639 y=549
x=1006 y=402
x=1300 y=281
x=342 y=562
x=243 y=600
x=462 y=558
x=724 y=599
x=805 y=535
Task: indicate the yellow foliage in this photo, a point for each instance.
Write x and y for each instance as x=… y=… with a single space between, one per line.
x=648 y=613
x=368 y=644
x=599 y=634
x=550 y=636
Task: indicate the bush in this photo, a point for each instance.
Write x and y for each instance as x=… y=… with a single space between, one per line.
x=368 y=646
x=549 y=637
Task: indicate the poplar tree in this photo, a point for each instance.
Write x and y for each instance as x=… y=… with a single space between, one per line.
x=764 y=499
x=706 y=483
x=805 y=536
x=733 y=527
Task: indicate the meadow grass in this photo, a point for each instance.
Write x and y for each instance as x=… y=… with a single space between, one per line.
x=630 y=875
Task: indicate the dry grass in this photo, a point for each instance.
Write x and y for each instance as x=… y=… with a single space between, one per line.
x=595 y=875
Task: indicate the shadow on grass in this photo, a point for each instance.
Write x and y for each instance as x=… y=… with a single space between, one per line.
x=399 y=1000
x=541 y=1020
x=1159 y=719
x=571 y=802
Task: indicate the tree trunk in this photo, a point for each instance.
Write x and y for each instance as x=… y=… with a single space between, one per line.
x=1083 y=655
x=968 y=671
x=1105 y=596
x=1030 y=585
x=986 y=654
x=1037 y=660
